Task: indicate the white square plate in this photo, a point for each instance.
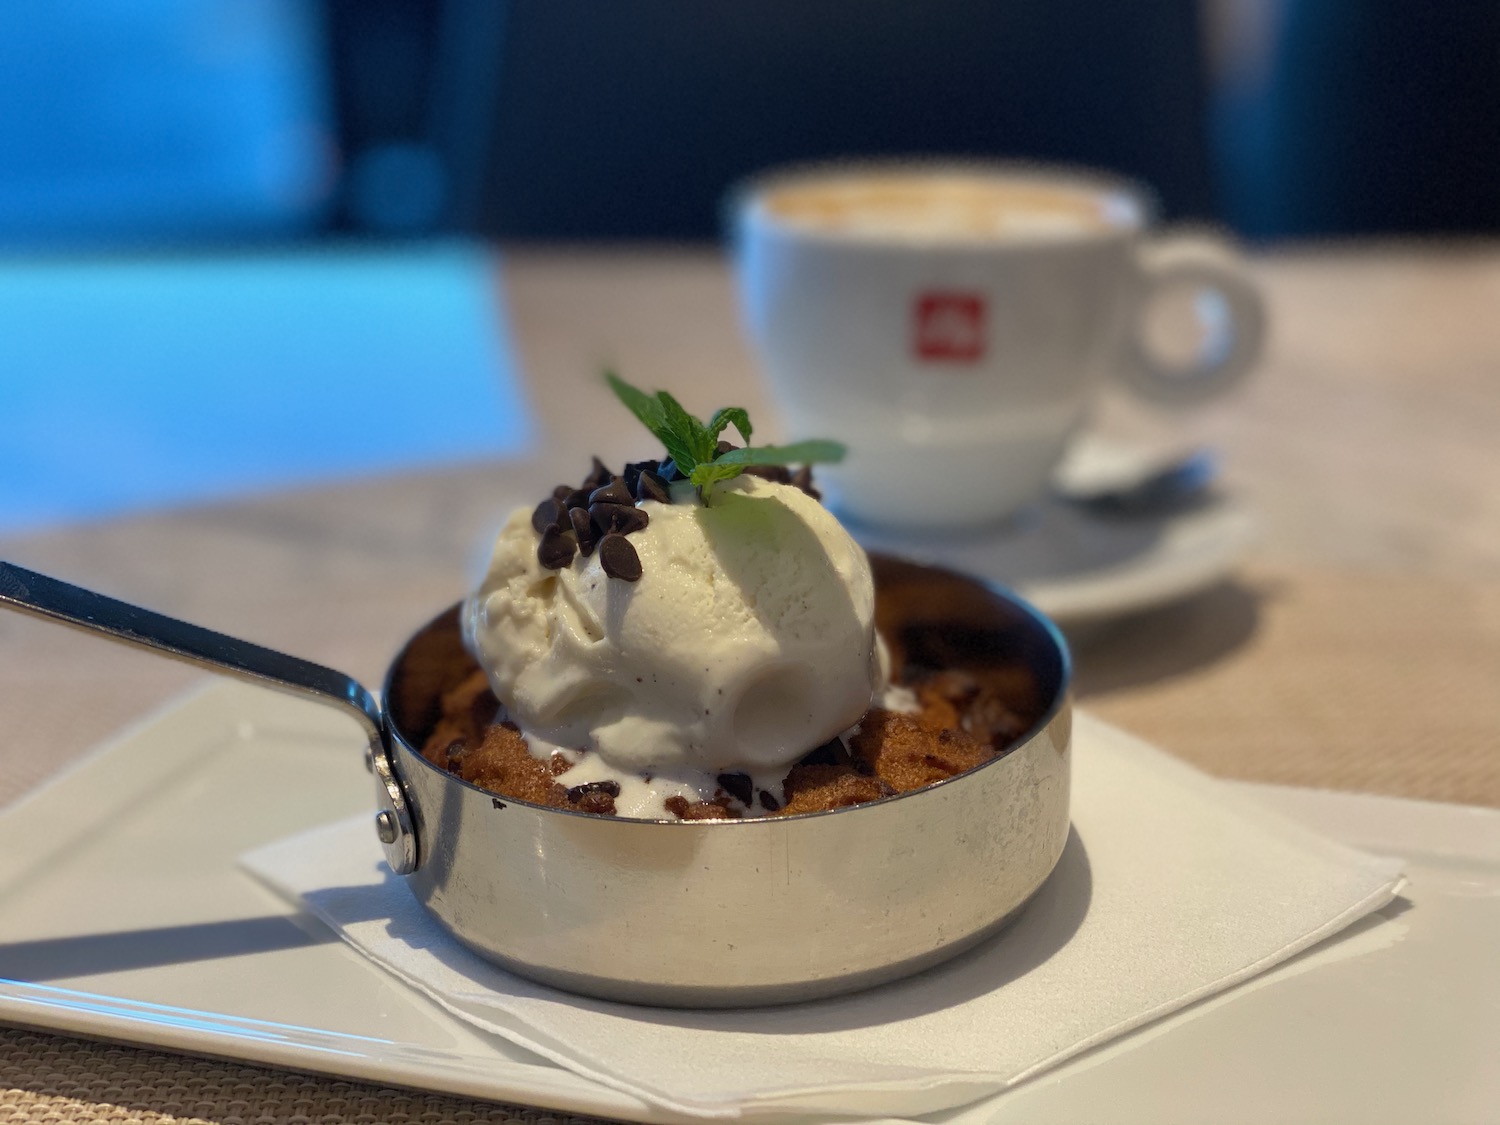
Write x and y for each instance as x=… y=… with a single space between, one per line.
x=123 y=915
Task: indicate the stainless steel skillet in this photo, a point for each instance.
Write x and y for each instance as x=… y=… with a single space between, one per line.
x=691 y=914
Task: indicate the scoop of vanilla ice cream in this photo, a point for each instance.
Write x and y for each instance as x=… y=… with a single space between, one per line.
x=748 y=640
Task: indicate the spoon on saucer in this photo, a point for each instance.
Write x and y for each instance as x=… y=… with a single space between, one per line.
x=1156 y=489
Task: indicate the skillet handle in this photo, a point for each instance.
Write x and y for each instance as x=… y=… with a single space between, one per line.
x=53 y=600
x=36 y=594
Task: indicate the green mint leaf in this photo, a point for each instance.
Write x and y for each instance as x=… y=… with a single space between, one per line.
x=711 y=472
x=681 y=454
x=727 y=416
x=798 y=453
x=661 y=414
x=692 y=445
x=646 y=408
x=692 y=437
x=677 y=436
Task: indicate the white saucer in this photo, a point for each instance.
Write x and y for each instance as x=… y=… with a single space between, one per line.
x=1082 y=568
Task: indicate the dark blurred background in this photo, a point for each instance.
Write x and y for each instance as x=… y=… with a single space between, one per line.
x=129 y=121
x=239 y=237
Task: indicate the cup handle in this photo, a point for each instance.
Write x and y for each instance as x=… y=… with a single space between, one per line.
x=1233 y=318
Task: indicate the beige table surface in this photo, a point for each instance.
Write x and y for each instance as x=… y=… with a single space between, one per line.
x=1357 y=648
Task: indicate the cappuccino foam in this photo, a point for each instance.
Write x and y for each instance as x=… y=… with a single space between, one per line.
x=946 y=206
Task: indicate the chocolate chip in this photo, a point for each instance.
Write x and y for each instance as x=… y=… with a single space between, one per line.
x=455 y=752
x=737 y=785
x=583 y=531
x=831 y=753
x=724 y=447
x=669 y=471
x=600 y=804
x=578 y=792
x=618 y=517
x=545 y=515
x=606 y=516
x=803 y=480
x=768 y=802
x=633 y=471
x=649 y=486
x=597 y=477
x=779 y=474
x=562 y=492
x=618 y=558
x=578 y=498
x=614 y=492
x=557 y=548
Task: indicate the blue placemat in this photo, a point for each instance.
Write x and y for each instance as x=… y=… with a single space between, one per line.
x=130 y=383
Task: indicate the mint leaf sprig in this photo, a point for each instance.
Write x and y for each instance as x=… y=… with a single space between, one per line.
x=693 y=446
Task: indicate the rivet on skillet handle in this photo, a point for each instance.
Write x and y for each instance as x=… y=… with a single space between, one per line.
x=40 y=596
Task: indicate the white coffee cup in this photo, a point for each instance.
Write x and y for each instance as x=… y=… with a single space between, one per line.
x=953 y=323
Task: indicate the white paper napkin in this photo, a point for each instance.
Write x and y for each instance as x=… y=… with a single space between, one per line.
x=1171 y=888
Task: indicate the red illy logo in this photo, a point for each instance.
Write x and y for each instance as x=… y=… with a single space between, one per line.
x=949 y=327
